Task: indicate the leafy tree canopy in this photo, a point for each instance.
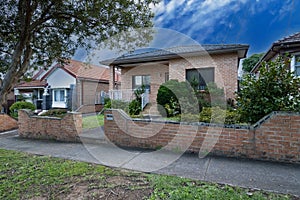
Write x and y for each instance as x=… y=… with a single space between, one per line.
x=34 y=32
x=250 y=62
x=275 y=89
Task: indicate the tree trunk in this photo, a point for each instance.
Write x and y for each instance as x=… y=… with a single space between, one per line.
x=22 y=53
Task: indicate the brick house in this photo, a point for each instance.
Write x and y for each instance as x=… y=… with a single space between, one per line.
x=288 y=45
x=73 y=85
x=207 y=63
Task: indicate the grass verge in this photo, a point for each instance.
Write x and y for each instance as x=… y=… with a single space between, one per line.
x=25 y=176
x=93 y=121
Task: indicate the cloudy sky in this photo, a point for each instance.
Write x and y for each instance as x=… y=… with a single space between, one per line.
x=258 y=23
x=255 y=22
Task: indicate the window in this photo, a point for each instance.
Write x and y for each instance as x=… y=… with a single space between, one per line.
x=59 y=95
x=198 y=78
x=297 y=65
x=167 y=77
x=138 y=81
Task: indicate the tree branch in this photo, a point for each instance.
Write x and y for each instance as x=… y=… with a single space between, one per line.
x=3 y=51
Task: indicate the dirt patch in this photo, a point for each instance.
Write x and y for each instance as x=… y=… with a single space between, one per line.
x=110 y=188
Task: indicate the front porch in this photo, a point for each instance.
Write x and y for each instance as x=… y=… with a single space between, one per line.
x=128 y=95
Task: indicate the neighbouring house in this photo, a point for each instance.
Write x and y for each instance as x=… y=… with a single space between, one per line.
x=73 y=85
x=207 y=63
x=289 y=45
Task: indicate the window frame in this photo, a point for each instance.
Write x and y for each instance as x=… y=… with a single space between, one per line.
x=59 y=99
x=297 y=64
x=200 y=78
x=143 y=77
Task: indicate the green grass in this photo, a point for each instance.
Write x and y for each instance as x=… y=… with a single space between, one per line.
x=25 y=176
x=176 y=188
x=93 y=121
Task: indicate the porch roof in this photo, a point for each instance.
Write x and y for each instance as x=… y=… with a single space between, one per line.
x=32 y=84
x=82 y=70
x=177 y=52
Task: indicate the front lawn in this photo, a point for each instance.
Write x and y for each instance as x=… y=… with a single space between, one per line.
x=25 y=176
x=93 y=121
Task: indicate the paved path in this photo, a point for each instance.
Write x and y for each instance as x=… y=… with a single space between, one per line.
x=282 y=178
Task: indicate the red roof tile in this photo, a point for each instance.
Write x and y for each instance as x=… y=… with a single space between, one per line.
x=83 y=70
x=32 y=84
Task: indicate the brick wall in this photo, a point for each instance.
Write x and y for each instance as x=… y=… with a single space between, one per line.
x=156 y=71
x=225 y=65
x=274 y=138
x=38 y=127
x=86 y=91
x=90 y=108
x=7 y=123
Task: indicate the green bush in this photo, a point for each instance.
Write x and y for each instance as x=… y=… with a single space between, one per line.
x=134 y=107
x=276 y=89
x=176 y=98
x=55 y=113
x=20 y=105
x=212 y=96
x=117 y=104
x=218 y=115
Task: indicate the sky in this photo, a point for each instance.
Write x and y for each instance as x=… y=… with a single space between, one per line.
x=257 y=23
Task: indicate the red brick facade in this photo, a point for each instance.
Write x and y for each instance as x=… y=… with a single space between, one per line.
x=66 y=129
x=7 y=123
x=225 y=67
x=275 y=138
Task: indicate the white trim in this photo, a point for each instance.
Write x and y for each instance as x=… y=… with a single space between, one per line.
x=59 y=104
x=293 y=63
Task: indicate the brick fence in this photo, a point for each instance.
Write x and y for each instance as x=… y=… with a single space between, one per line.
x=276 y=137
x=7 y=123
x=65 y=129
x=84 y=109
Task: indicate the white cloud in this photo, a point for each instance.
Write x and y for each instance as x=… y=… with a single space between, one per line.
x=195 y=15
x=202 y=16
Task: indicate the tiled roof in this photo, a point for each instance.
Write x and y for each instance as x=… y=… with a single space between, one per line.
x=79 y=69
x=32 y=84
x=179 y=51
x=289 y=39
x=283 y=45
x=82 y=70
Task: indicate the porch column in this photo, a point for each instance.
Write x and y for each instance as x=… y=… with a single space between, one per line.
x=112 y=77
x=46 y=99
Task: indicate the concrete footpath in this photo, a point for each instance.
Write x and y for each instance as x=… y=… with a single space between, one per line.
x=275 y=177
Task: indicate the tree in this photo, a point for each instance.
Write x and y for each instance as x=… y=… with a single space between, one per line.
x=250 y=62
x=35 y=33
x=276 y=89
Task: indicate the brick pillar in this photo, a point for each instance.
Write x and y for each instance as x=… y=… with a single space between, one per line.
x=112 y=77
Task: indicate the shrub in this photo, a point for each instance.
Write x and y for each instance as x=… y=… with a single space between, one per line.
x=134 y=107
x=212 y=96
x=55 y=113
x=20 y=105
x=176 y=98
x=218 y=115
x=276 y=89
x=119 y=104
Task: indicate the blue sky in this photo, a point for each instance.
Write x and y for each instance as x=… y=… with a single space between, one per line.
x=258 y=23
